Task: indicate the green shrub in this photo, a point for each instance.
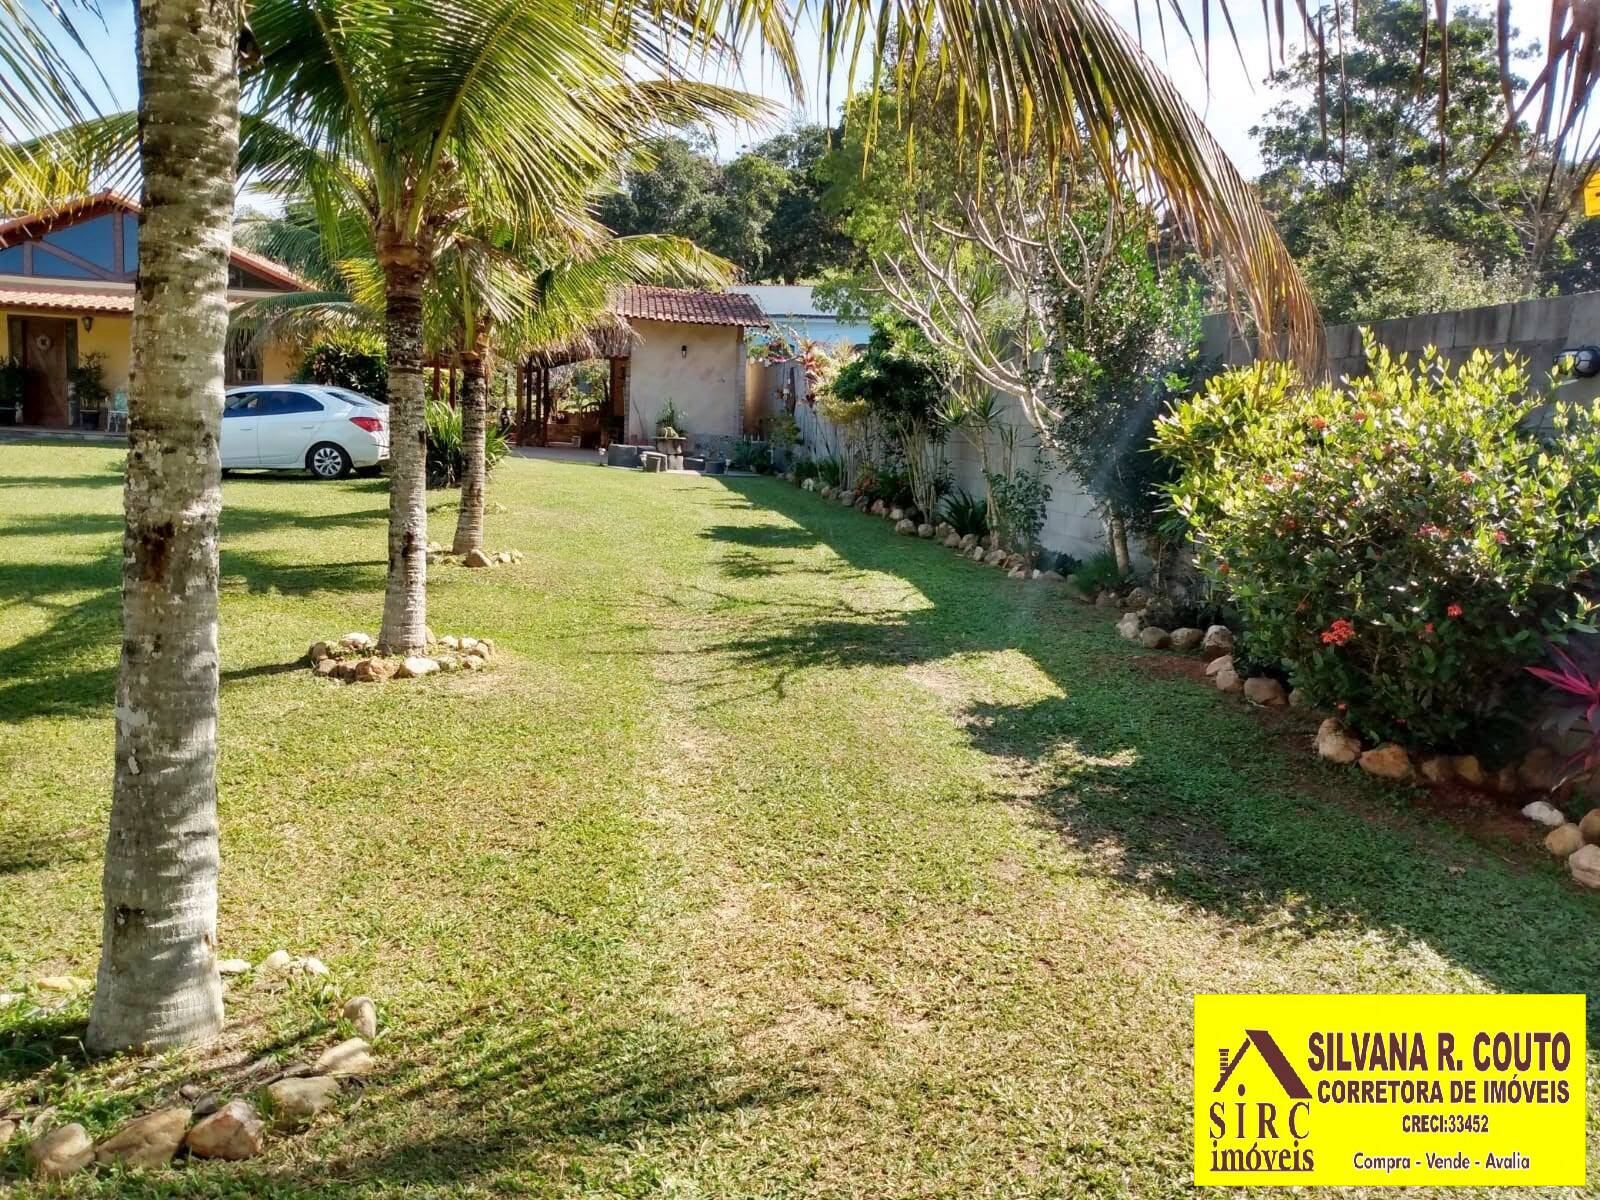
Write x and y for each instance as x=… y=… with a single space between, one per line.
x=1098 y=573
x=446 y=458
x=831 y=470
x=806 y=468
x=359 y=364
x=887 y=482
x=751 y=455
x=967 y=514
x=1058 y=561
x=1019 y=500
x=1398 y=544
x=88 y=382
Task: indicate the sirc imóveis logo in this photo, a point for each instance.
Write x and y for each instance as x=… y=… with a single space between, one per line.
x=1259 y=1116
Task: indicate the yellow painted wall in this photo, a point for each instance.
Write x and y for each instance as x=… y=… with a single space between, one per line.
x=278 y=364
x=706 y=383
x=113 y=338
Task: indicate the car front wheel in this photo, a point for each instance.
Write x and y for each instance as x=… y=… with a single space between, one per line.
x=327 y=461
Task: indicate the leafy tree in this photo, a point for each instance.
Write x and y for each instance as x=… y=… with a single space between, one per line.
x=1124 y=337
x=804 y=237
x=763 y=210
x=1358 y=167
x=897 y=380
x=350 y=361
x=673 y=188
x=1367 y=264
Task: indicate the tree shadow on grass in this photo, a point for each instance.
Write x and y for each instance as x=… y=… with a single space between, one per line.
x=24 y=849
x=1177 y=792
x=69 y=666
x=497 y=1094
x=480 y=1101
x=236 y=521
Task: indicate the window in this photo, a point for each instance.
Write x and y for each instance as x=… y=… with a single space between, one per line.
x=241 y=404
x=45 y=263
x=238 y=277
x=279 y=404
x=89 y=240
x=356 y=398
x=244 y=366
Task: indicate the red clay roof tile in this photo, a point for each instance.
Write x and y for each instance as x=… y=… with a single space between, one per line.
x=645 y=303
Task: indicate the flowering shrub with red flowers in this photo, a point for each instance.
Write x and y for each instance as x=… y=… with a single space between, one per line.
x=1401 y=544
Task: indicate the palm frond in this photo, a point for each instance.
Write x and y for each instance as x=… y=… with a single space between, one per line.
x=39 y=91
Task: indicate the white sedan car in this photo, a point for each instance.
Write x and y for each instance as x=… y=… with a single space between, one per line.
x=328 y=431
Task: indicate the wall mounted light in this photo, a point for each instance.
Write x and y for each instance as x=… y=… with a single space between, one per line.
x=1582 y=361
x=683 y=351
x=88 y=324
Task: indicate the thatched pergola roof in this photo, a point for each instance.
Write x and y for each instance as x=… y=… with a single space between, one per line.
x=612 y=339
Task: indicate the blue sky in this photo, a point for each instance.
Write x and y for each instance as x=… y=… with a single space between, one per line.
x=1231 y=101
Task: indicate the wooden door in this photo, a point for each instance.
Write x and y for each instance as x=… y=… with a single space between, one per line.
x=44 y=357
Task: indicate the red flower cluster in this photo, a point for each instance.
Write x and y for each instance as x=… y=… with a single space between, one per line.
x=1318 y=423
x=1453 y=611
x=1337 y=634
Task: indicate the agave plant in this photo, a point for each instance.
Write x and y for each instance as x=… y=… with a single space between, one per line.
x=966 y=513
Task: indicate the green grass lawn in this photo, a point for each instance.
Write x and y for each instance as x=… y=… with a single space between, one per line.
x=778 y=857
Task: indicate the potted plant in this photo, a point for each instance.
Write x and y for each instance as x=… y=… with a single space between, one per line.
x=13 y=379
x=669 y=436
x=87 y=385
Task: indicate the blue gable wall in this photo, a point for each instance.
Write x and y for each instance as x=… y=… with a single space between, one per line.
x=87 y=249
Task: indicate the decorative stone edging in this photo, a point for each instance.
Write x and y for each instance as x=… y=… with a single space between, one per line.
x=909 y=522
x=201 y=1123
x=354 y=658
x=1578 y=844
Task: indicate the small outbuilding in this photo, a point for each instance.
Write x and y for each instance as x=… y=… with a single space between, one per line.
x=688 y=352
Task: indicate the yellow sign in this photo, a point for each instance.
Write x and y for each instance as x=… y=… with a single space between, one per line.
x=1399 y=1091
x=1591 y=195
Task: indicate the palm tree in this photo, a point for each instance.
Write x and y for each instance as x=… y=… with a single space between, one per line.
x=542 y=298
x=429 y=114
x=489 y=296
x=157 y=983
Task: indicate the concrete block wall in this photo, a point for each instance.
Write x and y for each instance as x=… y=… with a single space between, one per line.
x=1071 y=524
x=1536 y=330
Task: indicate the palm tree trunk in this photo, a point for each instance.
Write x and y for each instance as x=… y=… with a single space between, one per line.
x=474 y=406
x=405 y=601
x=157 y=984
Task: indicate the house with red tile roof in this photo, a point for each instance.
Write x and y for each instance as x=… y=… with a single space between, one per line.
x=66 y=292
x=688 y=351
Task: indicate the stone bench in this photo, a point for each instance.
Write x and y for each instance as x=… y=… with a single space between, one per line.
x=620 y=454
